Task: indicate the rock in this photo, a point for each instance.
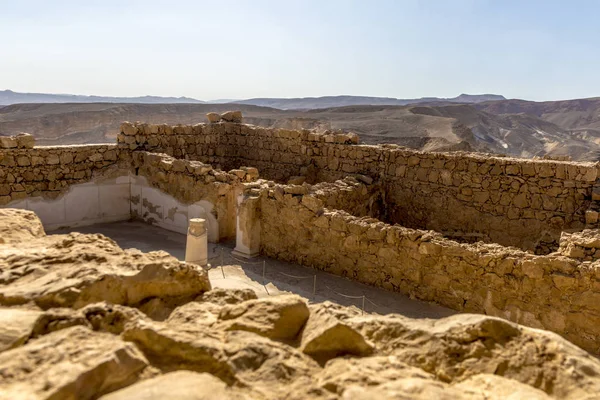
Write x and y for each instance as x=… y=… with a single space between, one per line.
x=312 y=203
x=326 y=336
x=128 y=129
x=494 y=387
x=232 y=116
x=408 y=389
x=341 y=373
x=295 y=189
x=171 y=348
x=196 y=314
x=180 y=385
x=74 y=363
x=75 y=270
x=111 y=318
x=482 y=344
x=278 y=317
x=18 y=326
x=8 y=142
x=25 y=141
x=213 y=117
x=238 y=357
x=591 y=217
x=296 y=180
x=227 y=296
x=18 y=226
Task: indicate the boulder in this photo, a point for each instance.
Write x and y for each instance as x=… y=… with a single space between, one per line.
x=75 y=270
x=227 y=296
x=326 y=336
x=73 y=363
x=180 y=385
x=232 y=116
x=18 y=226
x=213 y=117
x=278 y=317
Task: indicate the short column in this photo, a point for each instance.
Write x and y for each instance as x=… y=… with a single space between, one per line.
x=247 y=243
x=196 y=248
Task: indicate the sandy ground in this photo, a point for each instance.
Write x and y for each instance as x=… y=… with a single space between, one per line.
x=227 y=271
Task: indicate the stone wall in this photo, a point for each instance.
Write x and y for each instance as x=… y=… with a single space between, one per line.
x=552 y=292
x=516 y=202
x=190 y=182
x=49 y=171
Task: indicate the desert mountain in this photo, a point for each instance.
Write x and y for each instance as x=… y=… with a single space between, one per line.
x=307 y=103
x=9 y=97
x=513 y=127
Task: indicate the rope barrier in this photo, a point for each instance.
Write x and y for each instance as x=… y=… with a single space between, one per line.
x=344 y=295
x=294 y=276
x=245 y=261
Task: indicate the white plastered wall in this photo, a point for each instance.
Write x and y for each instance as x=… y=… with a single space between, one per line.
x=118 y=199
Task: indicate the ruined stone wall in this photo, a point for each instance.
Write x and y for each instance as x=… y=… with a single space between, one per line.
x=552 y=292
x=49 y=171
x=516 y=202
x=190 y=182
x=277 y=153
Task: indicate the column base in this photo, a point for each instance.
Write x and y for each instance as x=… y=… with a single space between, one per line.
x=245 y=253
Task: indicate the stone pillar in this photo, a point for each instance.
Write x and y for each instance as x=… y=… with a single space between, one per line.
x=247 y=243
x=196 y=248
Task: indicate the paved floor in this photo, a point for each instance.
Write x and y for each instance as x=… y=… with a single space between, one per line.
x=231 y=272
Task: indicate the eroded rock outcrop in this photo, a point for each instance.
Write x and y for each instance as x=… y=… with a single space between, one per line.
x=75 y=324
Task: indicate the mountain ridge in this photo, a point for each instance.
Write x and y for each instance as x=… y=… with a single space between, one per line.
x=8 y=97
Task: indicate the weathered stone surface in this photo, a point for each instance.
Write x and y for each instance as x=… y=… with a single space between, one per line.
x=75 y=270
x=180 y=385
x=278 y=318
x=326 y=337
x=18 y=226
x=73 y=363
x=17 y=326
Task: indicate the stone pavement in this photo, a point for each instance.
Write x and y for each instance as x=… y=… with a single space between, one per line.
x=228 y=271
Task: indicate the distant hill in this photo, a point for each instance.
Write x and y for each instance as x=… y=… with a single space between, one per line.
x=8 y=97
x=311 y=103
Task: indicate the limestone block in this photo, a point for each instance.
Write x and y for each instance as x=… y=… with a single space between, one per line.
x=128 y=129
x=591 y=217
x=8 y=142
x=25 y=141
x=232 y=116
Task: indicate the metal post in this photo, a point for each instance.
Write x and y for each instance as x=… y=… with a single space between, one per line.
x=314 y=286
x=363 y=305
x=264 y=269
x=222 y=263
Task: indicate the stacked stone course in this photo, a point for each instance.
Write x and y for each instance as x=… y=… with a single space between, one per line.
x=515 y=202
x=49 y=171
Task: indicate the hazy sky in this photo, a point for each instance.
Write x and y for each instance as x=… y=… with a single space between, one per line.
x=539 y=50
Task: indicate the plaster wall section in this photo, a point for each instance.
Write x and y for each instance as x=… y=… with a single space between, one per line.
x=553 y=292
x=187 y=183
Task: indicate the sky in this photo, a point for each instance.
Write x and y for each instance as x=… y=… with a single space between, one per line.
x=237 y=49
